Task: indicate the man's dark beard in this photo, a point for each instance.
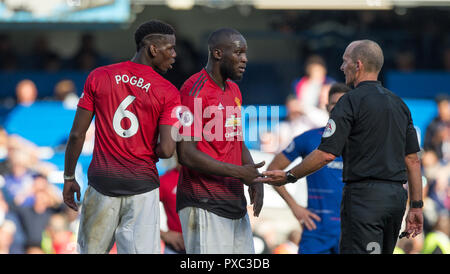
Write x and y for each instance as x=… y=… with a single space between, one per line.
x=226 y=69
x=160 y=71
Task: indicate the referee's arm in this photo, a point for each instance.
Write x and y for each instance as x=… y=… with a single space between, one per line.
x=414 y=218
x=414 y=176
x=313 y=162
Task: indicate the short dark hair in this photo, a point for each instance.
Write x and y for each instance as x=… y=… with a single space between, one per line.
x=442 y=97
x=338 y=88
x=315 y=59
x=291 y=97
x=151 y=27
x=220 y=36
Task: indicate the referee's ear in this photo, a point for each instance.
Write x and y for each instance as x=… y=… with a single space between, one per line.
x=359 y=65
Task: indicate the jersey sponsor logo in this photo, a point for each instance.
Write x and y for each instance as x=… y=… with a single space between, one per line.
x=330 y=128
x=133 y=80
x=233 y=121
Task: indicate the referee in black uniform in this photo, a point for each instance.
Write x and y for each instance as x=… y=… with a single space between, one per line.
x=372 y=129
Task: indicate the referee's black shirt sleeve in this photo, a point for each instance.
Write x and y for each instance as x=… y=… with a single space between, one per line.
x=338 y=127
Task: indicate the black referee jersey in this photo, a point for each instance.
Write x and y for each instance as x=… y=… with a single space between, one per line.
x=373 y=130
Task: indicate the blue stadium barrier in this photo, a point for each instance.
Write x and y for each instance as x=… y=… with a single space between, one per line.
x=419 y=84
x=43 y=123
x=423 y=112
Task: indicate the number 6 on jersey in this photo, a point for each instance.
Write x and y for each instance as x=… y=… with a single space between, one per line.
x=121 y=113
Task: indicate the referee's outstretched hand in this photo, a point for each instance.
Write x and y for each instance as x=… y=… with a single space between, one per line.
x=414 y=222
x=70 y=188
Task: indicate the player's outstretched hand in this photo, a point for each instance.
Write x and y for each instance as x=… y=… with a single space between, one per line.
x=256 y=193
x=249 y=172
x=273 y=177
x=70 y=188
x=414 y=222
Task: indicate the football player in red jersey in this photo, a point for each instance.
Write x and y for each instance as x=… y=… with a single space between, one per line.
x=216 y=163
x=132 y=104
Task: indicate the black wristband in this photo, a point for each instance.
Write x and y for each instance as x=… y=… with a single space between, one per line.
x=290 y=177
x=416 y=204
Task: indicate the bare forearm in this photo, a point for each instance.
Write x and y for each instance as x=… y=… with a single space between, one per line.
x=414 y=177
x=280 y=162
x=290 y=201
x=202 y=162
x=73 y=150
x=77 y=136
x=313 y=162
x=166 y=146
x=163 y=153
x=246 y=155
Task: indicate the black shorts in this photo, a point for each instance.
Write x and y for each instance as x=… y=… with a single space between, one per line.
x=371 y=217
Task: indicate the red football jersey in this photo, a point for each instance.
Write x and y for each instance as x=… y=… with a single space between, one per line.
x=129 y=101
x=213 y=117
x=168 y=196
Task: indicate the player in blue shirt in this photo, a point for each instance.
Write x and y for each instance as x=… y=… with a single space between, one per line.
x=322 y=217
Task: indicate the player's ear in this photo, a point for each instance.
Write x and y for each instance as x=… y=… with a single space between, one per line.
x=152 y=50
x=217 y=53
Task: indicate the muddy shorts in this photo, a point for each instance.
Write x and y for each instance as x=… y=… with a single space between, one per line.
x=132 y=222
x=207 y=233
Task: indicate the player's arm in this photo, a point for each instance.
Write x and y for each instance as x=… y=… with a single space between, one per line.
x=168 y=129
x=303 y=215
x=166 y=146
x=82 y=120
x=255 y=191
x=280 y=162
x=247 y=159
x=191 y=157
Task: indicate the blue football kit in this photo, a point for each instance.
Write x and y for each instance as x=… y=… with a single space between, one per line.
x=324 y=196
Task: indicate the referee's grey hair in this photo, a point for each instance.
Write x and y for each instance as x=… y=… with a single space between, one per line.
x=369 y=53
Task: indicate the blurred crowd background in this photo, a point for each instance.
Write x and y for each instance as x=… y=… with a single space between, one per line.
x=294 y=57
